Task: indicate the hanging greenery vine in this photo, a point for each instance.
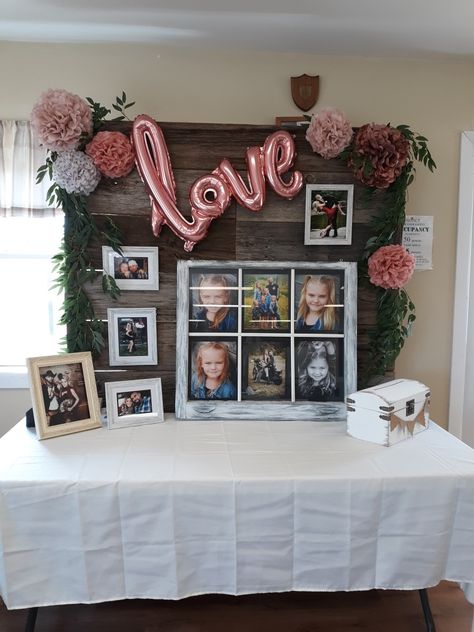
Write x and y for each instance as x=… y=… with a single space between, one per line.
x=395 y=309
x=384 y=159
x=72 y=182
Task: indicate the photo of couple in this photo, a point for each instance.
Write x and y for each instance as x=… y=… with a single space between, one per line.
x=64 y=394
x=125 y=268
x=328 y=218
x=266 y=369
x=134 y=403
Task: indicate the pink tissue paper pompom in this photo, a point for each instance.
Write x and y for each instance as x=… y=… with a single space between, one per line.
x=380 y=153
x=59 y=118
x=112 y=154
x=329 y=132
x=391 y=267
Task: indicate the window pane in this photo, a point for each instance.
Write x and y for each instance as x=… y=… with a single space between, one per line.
x=31 y=310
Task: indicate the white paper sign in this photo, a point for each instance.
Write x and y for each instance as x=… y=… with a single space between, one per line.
x=418 y=239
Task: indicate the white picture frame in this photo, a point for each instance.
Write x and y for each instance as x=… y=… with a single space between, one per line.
x=122 y=401
x=243 y=396
x=328 y=214
x=146 y=274
x=132 y=336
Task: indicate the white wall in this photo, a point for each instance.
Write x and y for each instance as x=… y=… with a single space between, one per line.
x=436 y=98
x=14 y=404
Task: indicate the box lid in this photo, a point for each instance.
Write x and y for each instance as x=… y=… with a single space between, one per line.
x=391 y=396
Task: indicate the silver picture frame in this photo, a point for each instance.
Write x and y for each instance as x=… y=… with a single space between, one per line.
x=245 y=394
x=138 y=345
x=139 y=392
x=141 y=265
x=328 y=214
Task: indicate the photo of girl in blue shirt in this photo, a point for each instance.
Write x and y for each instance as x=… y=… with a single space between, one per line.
x=317 y=305
x=214 y=311
x=211 y=377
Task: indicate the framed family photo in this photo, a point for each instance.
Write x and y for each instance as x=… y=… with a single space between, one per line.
x=64 y=394
x=136 y=268
x=265 y=340
x=266 y=300
x=328 y=214
x=132 y=336
x=134 y=403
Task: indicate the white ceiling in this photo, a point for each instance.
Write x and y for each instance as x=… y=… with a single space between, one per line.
x=420 y=28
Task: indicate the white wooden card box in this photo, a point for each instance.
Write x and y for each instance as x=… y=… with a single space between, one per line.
x=388 y=413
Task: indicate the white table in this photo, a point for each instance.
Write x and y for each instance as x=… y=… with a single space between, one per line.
x=170 y=510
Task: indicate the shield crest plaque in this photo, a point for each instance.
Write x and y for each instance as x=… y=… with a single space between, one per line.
x=305 y=91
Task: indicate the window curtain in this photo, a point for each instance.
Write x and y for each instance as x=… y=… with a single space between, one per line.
x=20 y=157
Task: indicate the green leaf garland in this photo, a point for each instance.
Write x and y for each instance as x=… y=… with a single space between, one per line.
x=74 y=269
x=395 y=309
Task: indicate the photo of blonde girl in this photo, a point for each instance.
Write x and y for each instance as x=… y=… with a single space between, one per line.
x=212 y=305
x=317 y=306
x=212 y=371
x=316 y=371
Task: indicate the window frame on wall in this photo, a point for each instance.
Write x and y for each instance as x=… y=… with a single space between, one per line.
x=30 y=234
x=26 y=249
x=287 y=407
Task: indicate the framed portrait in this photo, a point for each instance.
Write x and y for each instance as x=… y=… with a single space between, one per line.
x=134 y=403
x=64 y=394
x=328 y=216
x=265 y=340
x=136 y=268
x=132 y=336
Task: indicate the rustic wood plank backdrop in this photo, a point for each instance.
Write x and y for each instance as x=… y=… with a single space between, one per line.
x=275 y=233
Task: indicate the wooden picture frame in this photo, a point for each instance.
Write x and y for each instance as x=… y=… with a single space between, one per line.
x=291 y=122
x=262 y=361
x=64 y=394
x=134 y=403
x=132 y=336
x=145 y=272
x=328 y=214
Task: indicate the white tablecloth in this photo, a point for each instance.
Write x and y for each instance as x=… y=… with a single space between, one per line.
x=183 y=508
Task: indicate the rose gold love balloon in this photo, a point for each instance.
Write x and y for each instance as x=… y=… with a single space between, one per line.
x=210 y=194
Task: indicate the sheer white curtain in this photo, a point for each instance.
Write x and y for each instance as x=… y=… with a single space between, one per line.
x=20 y=157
